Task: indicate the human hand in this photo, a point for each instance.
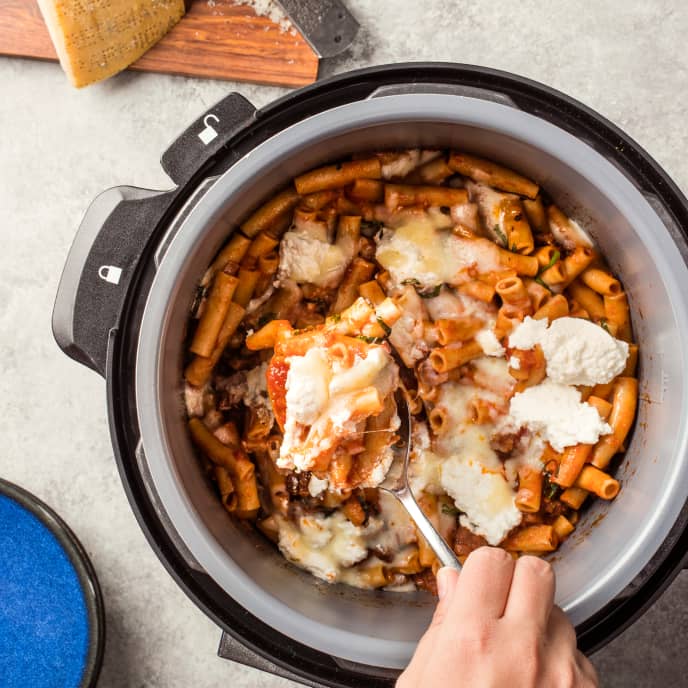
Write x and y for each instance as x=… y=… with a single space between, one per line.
x=496 y=626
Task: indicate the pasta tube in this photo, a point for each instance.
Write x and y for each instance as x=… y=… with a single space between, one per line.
x=270 y=212
x=487 y=172
x=601 y=282
x=214 y=314
x=399 y=195
x=449 y=357
x=529 y=493
x=538 y=538
x=198 y=371
x=595 y=480
x=233 y=252
x=624 y=403
x=519 y=237
x=572 y=461
x=337 y=176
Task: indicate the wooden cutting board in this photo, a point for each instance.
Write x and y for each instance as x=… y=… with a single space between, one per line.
x=216 y=39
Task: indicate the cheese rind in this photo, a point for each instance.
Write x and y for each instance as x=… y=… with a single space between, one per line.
x=100 y=38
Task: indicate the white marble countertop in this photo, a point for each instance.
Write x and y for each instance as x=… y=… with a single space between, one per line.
x=60 y=147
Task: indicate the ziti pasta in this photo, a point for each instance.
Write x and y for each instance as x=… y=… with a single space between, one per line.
x=448 y=276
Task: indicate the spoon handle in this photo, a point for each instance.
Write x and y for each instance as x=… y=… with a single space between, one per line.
x=434 y=539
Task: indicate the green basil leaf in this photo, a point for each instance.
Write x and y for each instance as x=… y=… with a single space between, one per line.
x=541 y=283
x=555 y=257
x=549 y=488
x=432 y=293
x=449 y=510
x=385 y=327
x=502 y=237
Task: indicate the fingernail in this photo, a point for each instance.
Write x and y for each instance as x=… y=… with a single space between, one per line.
x=443 y=582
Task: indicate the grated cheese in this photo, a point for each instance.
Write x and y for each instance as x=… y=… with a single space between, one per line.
x=266 y=8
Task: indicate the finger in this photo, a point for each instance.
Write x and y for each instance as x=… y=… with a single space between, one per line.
x=447 y=579
x=587 y=668
x=561 y=635
x=567 y=663
x=446 y=584
x=532 y=592
x=483 y=586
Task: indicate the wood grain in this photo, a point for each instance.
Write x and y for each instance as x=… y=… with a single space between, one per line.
x=216 y=39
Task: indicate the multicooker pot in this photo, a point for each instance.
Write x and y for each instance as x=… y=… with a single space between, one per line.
x=130 y=279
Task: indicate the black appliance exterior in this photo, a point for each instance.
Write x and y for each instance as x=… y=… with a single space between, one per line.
x=99 y=326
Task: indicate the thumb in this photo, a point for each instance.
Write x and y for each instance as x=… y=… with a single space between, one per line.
x=447 y=578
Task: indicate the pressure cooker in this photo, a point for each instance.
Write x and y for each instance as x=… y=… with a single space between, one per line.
x=130 y=279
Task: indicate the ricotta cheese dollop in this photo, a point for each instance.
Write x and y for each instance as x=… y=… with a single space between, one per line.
x=577 y=351
x=489 y=343
x=485 y=497
x=307 y=386
x=556 y=412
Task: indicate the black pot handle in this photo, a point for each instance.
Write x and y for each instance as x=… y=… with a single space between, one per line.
x=111 y=238
x=116 y=230
x=206 y=137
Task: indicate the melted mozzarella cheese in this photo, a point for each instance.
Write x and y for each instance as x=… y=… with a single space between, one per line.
x=424 y=464
x=401 y=164
x=527 y=453
x=464 y=453
x=306 y=259
x=361 y=374
x=325 y=545
x=493 y=374
x=319 y=405
x=330 y=547
x=424 y=473
x=445 y=306
x=418 y=251
x=398 y=530
x=407 y=332
x=489 y=202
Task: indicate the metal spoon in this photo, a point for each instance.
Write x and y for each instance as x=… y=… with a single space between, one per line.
x=396 y=483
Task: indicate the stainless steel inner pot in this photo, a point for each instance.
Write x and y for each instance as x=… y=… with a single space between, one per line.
x=613 y=542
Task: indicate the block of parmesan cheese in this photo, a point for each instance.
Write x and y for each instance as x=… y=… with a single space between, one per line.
x=95 y=39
